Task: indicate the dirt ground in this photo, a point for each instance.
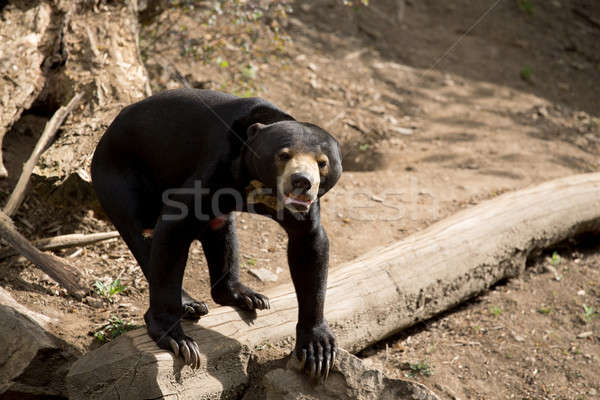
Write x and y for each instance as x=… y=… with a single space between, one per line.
x=529 y=338
x=438 y=106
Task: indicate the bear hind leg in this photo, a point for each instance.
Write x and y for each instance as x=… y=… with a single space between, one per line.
x=129 y=206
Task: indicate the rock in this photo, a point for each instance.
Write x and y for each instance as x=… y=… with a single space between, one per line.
x=402 y=131
x=263 y=274
x=542 y=111
x=550 y=268
x=93 y=302
x=349 y=379
x=518 y=338
x=32 y=362
x=584 y=335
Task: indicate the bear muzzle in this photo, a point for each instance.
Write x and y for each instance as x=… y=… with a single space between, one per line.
x=298 y=184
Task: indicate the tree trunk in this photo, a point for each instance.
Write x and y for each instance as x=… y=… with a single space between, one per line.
x=23 y=48
x=18 y=194
x=103 y=61
x=56 y=49
x=368 y=299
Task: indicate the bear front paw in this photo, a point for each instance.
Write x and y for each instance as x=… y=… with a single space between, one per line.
x=316 y=349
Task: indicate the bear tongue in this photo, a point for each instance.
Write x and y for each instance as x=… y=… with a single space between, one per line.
x=302 y=200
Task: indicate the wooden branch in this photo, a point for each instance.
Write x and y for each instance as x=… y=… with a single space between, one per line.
x=368 y=299
x=64 y=241
x=16 y=197
x=66 y=275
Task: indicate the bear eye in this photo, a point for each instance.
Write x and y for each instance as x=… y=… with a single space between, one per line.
x=284 y=156
x=322 y=164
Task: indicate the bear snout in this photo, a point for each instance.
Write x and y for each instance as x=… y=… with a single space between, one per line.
x=301 y=181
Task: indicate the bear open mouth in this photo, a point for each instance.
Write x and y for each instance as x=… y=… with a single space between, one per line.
x=300 y=202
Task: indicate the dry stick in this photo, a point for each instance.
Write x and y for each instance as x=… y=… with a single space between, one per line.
x=587 y=17
x=16 y=198
x=64 y=241
x=66 y=275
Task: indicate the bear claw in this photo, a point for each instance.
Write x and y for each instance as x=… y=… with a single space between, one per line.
x=238 y=295
x=194 y=310
x=188 y=350
x=316 y=351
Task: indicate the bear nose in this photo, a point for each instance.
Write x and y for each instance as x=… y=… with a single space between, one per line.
x=300 y=181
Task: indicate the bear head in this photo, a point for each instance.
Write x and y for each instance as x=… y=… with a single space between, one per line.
x=298 y=161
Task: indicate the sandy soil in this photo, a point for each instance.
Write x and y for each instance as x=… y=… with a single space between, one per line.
x=529 y=338
x=434 y=116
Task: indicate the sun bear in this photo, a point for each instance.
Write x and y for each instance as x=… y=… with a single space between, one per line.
x=173 y=168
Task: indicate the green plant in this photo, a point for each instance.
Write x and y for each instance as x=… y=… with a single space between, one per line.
x=363 y=147
x=526 y=6
x=222 y=63
x=249 y=72
x=115 y=327
x=555 y=259
x=108 y=291
x=588 y=313
x=419 y=368
x=545 y=310
x=526 y=73
x=496 y=311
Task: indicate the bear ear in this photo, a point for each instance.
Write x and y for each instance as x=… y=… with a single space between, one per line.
x=254 y=129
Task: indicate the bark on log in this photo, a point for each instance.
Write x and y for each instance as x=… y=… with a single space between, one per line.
x=23 y=48
x=103 y=62
x=64 y=241
x=51 y=50
x=368 y=299
x=57 y=269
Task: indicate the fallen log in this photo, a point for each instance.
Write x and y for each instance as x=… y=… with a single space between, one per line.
x=64 y=241
x=18 y=194
x=63 y=273
x=368 y=299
